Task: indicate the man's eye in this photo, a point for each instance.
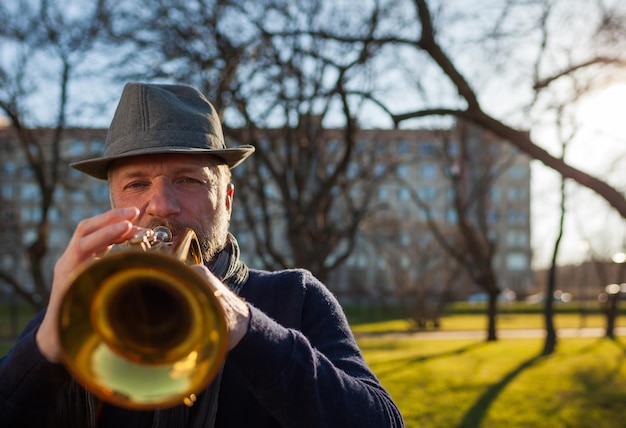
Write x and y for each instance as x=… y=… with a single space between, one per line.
x=189 y=180
x=135 y=185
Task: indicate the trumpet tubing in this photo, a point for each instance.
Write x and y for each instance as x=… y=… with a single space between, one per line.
x=141 y=329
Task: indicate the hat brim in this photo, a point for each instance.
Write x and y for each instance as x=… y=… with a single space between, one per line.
x=98 y=167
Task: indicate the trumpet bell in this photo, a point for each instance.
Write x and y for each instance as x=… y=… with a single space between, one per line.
x=142 y=330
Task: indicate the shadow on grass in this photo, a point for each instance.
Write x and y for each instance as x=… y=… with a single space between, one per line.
x=477 y=412
x=619 y=343
x=592 y=379
x=404 y=362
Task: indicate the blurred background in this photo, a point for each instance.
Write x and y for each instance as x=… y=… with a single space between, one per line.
x=453 y=171
x=410 y=153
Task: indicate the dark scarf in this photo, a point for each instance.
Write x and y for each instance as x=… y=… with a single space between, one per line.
x=78 y=408
x=227 y=266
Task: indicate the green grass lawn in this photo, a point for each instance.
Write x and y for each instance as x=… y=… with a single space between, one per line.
x=465 y=322
x=472 y=383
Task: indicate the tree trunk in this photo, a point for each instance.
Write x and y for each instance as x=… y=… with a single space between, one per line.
x=551 y=339
x=611 y=314
x=492 y=314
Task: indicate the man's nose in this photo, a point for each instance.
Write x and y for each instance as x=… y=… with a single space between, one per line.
x=163 y=200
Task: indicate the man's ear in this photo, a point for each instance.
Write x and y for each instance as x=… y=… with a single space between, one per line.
x=230 y=192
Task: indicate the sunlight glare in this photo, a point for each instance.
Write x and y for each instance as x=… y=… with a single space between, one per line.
x=604 y=111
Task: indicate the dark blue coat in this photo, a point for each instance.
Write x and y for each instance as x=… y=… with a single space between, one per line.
x=298 y=366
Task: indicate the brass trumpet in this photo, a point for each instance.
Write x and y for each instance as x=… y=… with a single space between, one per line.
x=139 y=328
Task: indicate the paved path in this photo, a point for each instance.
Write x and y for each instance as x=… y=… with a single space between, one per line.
x=502 y=333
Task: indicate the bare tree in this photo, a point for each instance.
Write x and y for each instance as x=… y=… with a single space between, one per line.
x=579 y=70
x=313 y=186
x=472 y=173
x=276 y=88
x=41 y=36
x=298 y=68
x=473 y=111
x=460 y=92
x=610 y=275
x=424 y=275
x=566 y=133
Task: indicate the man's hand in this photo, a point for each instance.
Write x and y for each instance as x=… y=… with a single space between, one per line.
x=236 y=310
x=93 y=236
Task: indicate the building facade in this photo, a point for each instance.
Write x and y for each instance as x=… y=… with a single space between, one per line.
x=75 y=195
x=424 y=177
x=435 y=178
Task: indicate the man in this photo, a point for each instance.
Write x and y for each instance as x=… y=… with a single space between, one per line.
x=292 y=360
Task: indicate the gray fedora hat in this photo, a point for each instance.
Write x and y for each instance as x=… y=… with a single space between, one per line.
x=153 y=119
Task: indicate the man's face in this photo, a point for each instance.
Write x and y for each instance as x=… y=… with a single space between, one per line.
x=177 y=191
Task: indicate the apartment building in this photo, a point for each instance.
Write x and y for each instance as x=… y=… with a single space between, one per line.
x=491 y=180
x=75 y=195
x=396 y=242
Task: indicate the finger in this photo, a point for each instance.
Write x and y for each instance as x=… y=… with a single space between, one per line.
x=115 y=215
x=96 y=235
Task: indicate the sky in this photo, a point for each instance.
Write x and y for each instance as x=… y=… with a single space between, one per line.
x=600 y=149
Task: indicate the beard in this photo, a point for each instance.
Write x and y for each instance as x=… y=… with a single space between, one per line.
x=212 y=240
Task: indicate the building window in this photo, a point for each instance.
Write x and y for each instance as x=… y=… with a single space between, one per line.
x=496 y=194
x=404 y=171
x=404 y=148
x=405 y=261
x=381 y=263
x=29 y=191
x=382 y=193
x=453 y=149
x=516 y=194
x=404 y=194
x=29 y=236
x=379 y=169
x=7 y=261
x=58 y=238
x=76 y=215
x=353 y=170
x=332 y=146
x=516 y=261
x=428 y=170
x=7 y=191
x=493 y=217
x=101 y=192
x=516 y=217
x=450 y=194
x=427 y=193
x=10 y=168
x=452 y=216
x=54 y=215
x=427 y=149
x=518 y=172
x=516 y=238
x=30 y=214
x=423 y=215
x=76 y=148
